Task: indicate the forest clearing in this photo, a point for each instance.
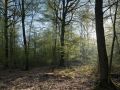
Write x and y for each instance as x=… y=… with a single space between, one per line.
x=59 y=44
x=75 y=78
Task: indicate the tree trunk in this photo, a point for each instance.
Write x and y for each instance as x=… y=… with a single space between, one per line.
x=114 y=36
x=11 y=44
x=62 y=35
x=35 y=57
x=24 y=37
x=103 y=59
x=6 y=33
x=62 y=44
x=55 y=39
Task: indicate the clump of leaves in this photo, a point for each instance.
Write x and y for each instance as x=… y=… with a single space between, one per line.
x=87 y=69
x=76 y=71
x=70 y=73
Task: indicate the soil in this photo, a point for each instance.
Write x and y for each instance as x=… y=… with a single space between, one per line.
x=42 y=79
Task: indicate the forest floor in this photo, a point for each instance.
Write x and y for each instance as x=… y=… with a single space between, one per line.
x=78 y=78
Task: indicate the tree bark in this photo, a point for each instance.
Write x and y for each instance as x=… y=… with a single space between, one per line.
x=62 y=34
x=24 y=37
x=114 y=36
x=55 y=22
x=103 y=59
x=6 y=33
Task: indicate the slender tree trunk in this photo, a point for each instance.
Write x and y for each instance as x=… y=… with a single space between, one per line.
x=11 y=44
x=103 y=59
x=62 y=44
x=6 y=33
x=62 y=35
x=14 y=46
x=114 y=37
x=35 y=44
x=55 y=38
x=24 y=37
x=31 y=24
x=14 y=42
